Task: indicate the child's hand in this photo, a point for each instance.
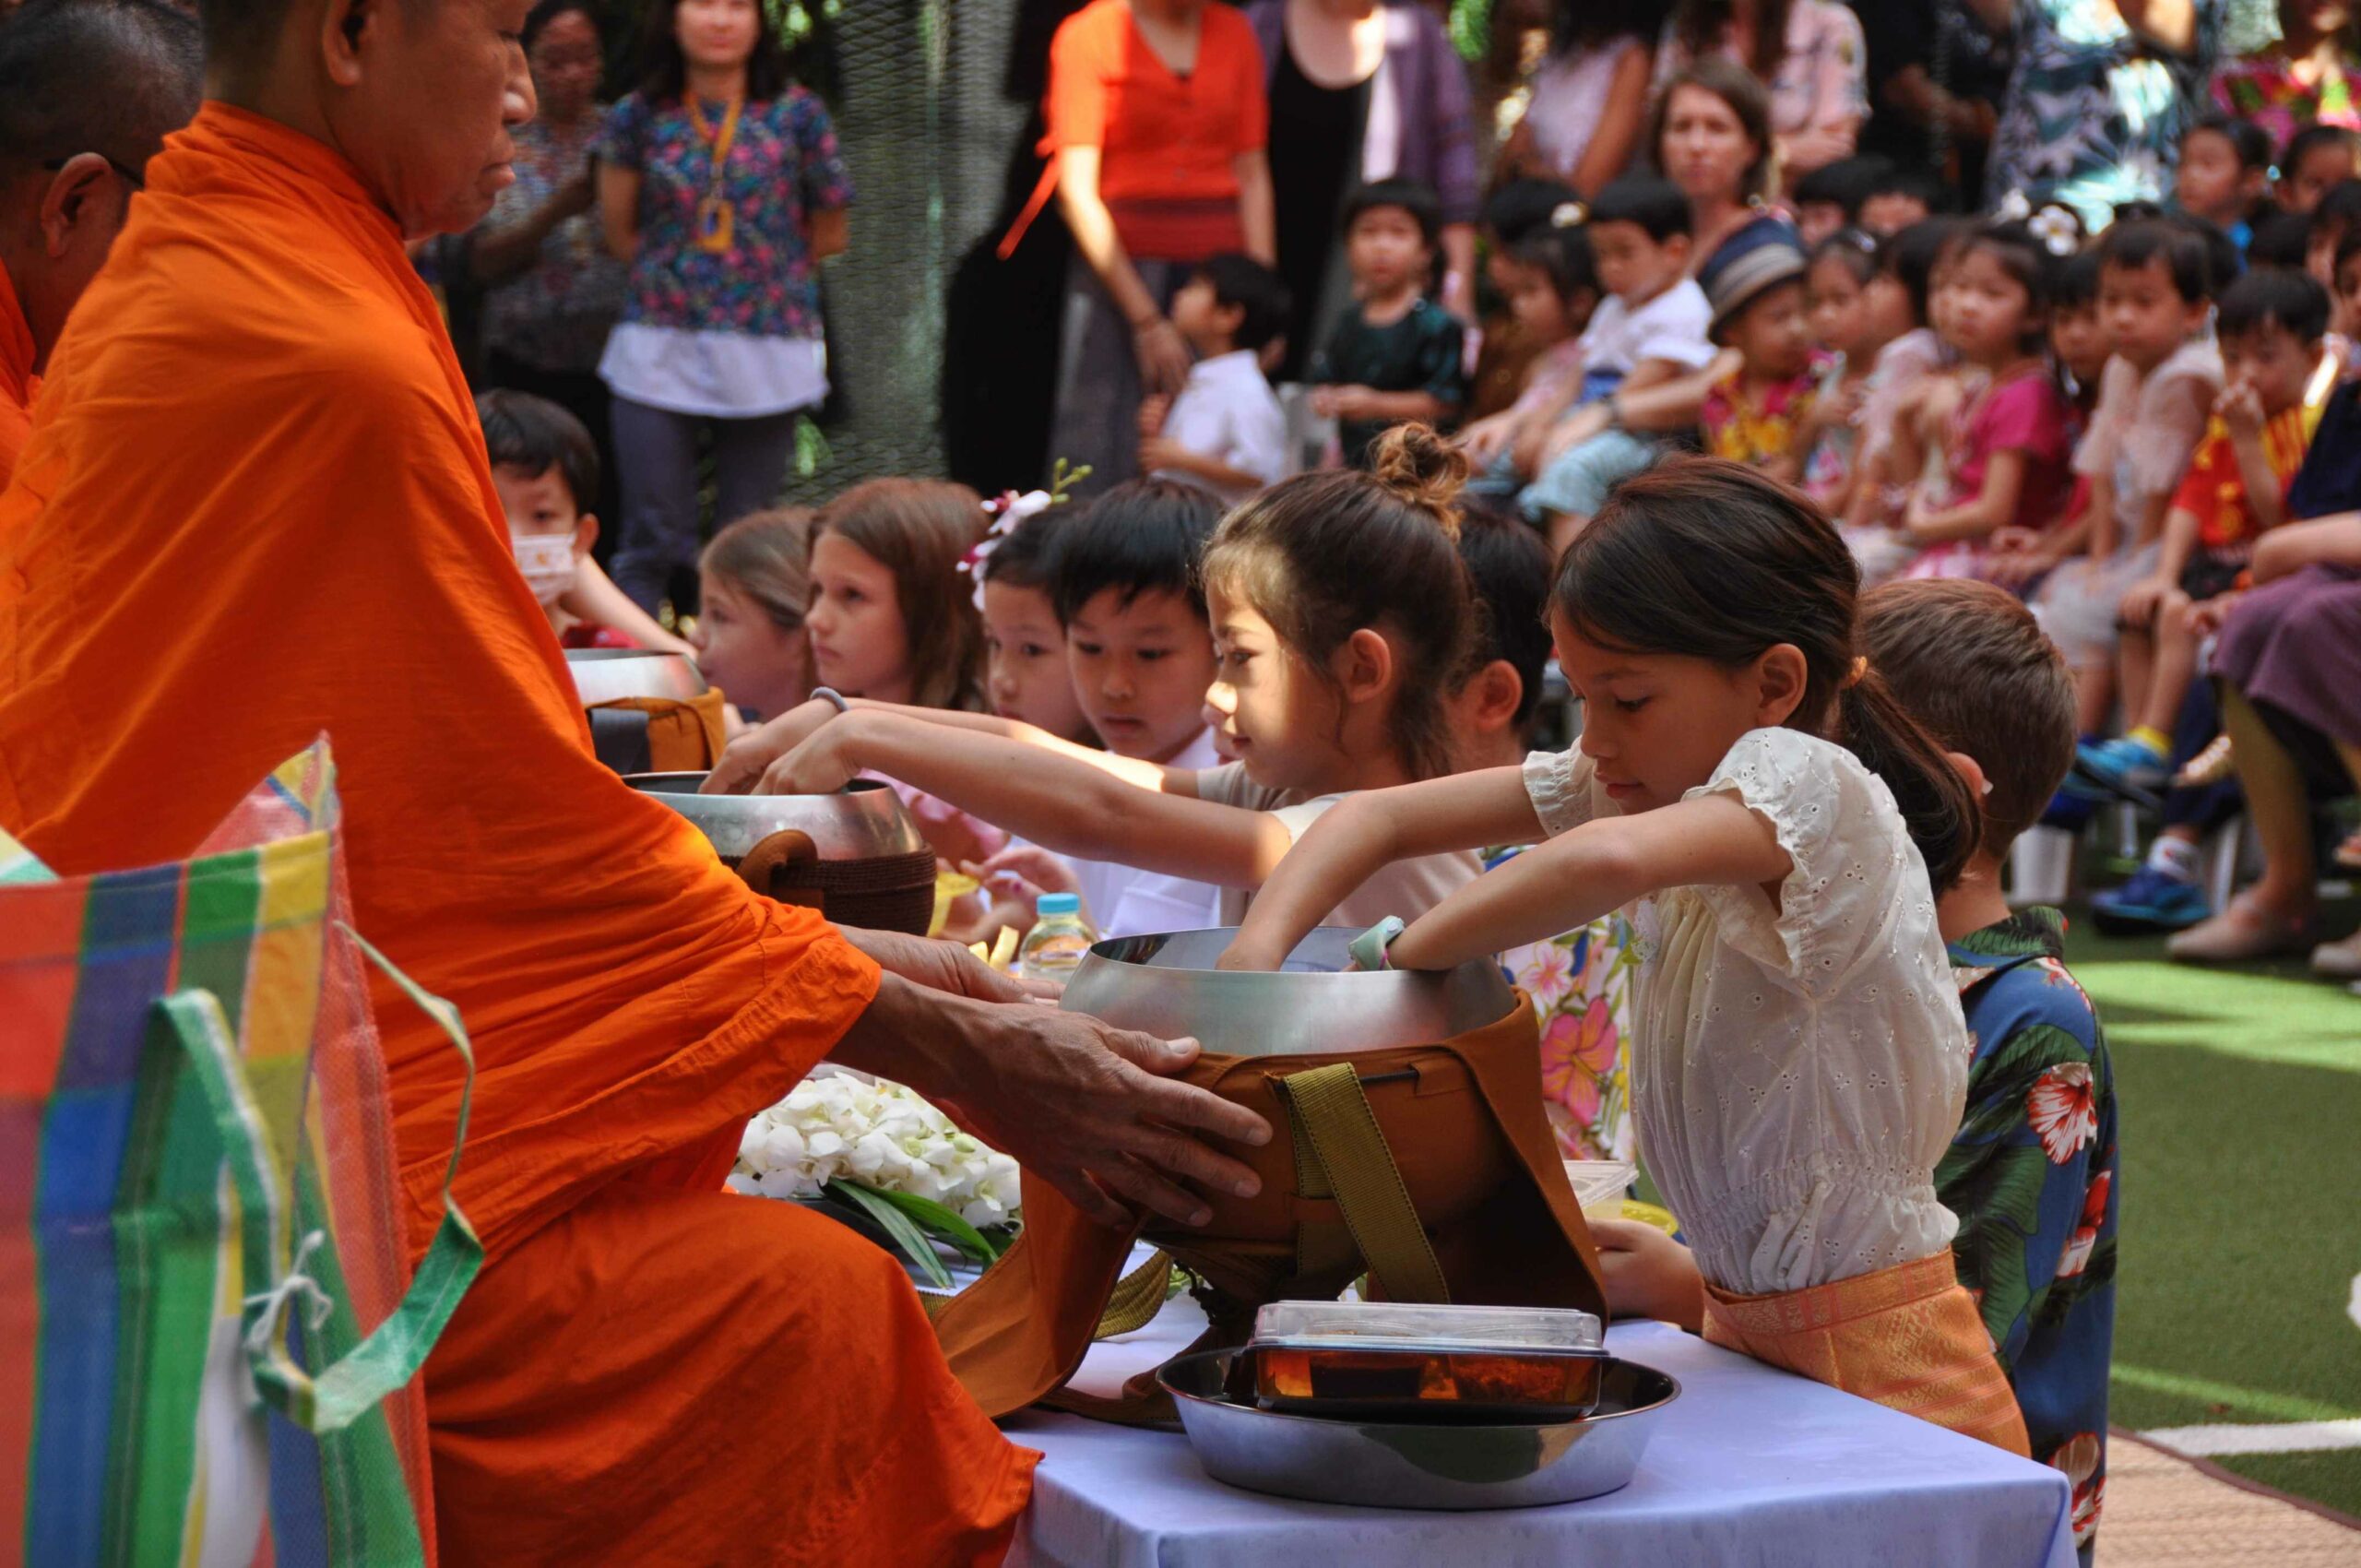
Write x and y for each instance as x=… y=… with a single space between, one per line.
x=1027 y=869
x=2240 y=410
x=2205 y=617
x=818 y=766
x=1488 y=438
x=1162 y=452
x=1154 y=409
x=1342 y=402
x=745 y=760
x=2140 y=602
x=1647 y=1274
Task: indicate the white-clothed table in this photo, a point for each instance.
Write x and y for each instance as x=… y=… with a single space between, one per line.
x=1750 y=1465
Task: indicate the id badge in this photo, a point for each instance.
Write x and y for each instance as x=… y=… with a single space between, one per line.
x=716 y=221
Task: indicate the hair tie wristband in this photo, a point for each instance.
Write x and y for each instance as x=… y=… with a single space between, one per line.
x=830 y=693
x=1371 y=950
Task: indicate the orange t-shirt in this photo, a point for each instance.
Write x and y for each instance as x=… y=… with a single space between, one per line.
x=2215 y=489
x=1166 y=142
x=17 y=383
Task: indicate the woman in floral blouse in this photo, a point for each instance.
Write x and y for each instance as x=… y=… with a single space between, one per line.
x=720 y=184
x=2099 y=96
x=552 y=291
x=2306 y=77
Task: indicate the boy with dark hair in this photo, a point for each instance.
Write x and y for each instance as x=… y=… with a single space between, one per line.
x=1225 y=430
x=1898 y=197
x=2334 y=216
x=1395 y=356
x=2316 y=159
x=1830 y=197
x=2224 y=171
x=2032 y=1172
x=2155 y=397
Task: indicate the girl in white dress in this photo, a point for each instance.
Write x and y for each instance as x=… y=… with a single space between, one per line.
x=1745 y=782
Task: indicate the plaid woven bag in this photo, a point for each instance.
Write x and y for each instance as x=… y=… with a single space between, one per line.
x=209 y=1333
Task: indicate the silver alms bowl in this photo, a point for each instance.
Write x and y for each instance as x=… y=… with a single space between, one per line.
x=1166 y=985
x=611 y=674
x=863 y=821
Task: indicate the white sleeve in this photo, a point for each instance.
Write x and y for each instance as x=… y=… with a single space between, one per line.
x=1563 y=789
x=1258 y=440
x=1852 y=861
x=1676 y=328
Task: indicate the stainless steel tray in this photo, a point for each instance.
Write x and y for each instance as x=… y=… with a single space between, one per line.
x=1167 y=985
x=1415 y=1465
x=862 y=821
x=611 y=674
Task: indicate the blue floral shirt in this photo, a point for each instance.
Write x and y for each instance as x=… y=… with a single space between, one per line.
x=2032 y=1177
x=783 y=166
x=2093 y=112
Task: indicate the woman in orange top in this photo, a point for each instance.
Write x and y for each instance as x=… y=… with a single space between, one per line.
x=1157 y=125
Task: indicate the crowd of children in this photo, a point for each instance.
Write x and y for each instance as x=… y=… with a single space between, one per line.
x=1977 y=499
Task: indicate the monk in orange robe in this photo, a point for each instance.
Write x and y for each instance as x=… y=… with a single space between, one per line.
x=87 y=90
x=255 y=505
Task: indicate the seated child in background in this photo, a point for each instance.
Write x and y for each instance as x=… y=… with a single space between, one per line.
x=1580 y=980
x=2331 y=221
x=2280 y=239
x=1513 y=213
x=2078 y=340
x=2270 y=325
x=2006 y=450
x=1553 y=289
x=1837 y=302
x=1887 y=459
x=2345 y=307
x=2223 y=174
x=2155 y=402
x=1342 y=622
x=1756 y=414
x=545 y=468
x=1650 y=328
x=1024 y=644
x=2314 y=161
x=1225 y=431
x=1828 y=198
x=1395 y=357
x=1897 y=198
x=2030 y=1172
x=1799 y=1055
x=754 y=582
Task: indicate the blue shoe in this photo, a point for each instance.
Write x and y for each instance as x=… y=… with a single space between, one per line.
x=2152 y=900
x=2068 y=811
x=2122 y=768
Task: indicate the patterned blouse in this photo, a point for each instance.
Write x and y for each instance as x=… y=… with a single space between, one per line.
x=556 y=315
x=1755 y=424
x=2032 y=1177
x=1581 y=985
x=2264 y=88
x=2094 y=113
x=783 y=166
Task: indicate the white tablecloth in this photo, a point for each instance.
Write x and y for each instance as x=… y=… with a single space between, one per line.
x=1750 y=1465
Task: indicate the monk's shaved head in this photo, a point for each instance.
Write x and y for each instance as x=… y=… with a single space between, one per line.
x=109 y=77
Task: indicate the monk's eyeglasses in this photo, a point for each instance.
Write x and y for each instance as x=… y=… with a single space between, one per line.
x=132 y=177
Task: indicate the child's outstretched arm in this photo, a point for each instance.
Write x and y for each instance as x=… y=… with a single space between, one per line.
x=747 y=760
x=1363 y=834
x=1555 y=887
x=1980 y=515
x=1149 y=817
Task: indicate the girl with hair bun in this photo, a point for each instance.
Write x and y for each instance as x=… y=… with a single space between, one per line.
x=1780 y=826
x=1341 y=619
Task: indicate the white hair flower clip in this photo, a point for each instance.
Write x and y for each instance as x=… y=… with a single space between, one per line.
x=1569 y=215
x=2014 y=208
x=1008 y=510
x=2059 y=231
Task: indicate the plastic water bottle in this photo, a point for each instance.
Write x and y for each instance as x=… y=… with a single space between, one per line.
x=1054 y=947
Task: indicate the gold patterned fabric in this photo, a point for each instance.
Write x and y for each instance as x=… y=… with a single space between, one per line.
x=1908 y=1338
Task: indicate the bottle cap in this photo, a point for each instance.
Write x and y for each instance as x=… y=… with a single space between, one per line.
x=1060 y=904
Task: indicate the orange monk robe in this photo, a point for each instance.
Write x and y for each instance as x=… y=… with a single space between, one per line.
x=257 y=505
x=17 y=383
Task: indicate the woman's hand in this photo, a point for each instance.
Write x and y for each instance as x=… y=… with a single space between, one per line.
x=1163 y=355
x=746 y=759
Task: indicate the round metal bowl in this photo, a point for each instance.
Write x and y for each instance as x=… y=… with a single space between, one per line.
x=1414 y=1465
x=863 y=821
x=1166 y=985
x=611 y=674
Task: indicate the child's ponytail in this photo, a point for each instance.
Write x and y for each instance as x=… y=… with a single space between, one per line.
x=1711 y=559
x=1323 y=555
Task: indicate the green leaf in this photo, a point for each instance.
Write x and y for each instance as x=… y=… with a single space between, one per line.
x=900 y=1225
x=937 y=1219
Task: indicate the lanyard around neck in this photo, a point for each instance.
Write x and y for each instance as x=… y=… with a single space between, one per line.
x=720 y=140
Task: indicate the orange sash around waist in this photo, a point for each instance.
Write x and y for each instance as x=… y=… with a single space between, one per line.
x=1908 y=1338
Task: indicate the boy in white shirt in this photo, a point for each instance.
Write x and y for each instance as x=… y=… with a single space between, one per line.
x=1652 y=327
x=1225 y=430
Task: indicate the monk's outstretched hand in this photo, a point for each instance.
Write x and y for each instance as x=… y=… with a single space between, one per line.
x=1088 y=1108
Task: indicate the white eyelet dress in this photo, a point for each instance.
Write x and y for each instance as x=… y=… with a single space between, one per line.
x=1796 y=1073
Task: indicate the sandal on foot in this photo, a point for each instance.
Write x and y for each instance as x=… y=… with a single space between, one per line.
x=2243 y=931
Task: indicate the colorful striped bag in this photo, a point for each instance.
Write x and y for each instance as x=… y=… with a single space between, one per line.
x=209 y=1333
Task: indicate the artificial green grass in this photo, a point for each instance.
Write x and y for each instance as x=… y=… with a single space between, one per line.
x=2240 y=1096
